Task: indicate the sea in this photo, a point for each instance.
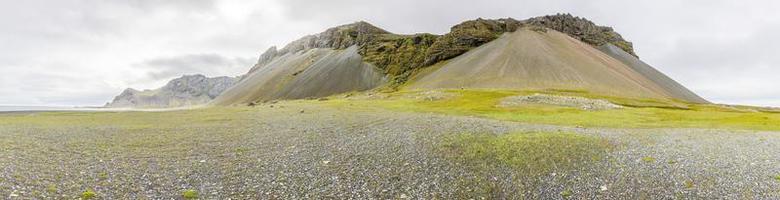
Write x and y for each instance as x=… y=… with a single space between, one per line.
x=5 y=108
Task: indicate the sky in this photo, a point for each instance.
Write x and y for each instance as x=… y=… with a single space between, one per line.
x=84 y=52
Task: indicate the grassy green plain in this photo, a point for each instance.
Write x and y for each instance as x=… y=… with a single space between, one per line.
x=637 y=113
x=55 y=154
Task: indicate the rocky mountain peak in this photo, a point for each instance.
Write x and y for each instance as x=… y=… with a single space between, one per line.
x=584 y=30
x=183 y=91
x=361 y=27
x=399 y=55
x=265 y=58
x=339 y=37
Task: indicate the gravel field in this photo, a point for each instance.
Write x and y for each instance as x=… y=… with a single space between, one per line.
x=300 y=151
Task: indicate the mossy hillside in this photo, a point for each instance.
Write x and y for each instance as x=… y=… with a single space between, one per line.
x=638 y=113
x=399 y=56
x=466 y=36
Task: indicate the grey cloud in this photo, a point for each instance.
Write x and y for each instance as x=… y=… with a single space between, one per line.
x=742 y=69
x=721 y=49
x=82 y=52
x=758 y=48
x=209 y=64
x=402 y=16
x=48 y=88
x=196 y=5
x=432 y=16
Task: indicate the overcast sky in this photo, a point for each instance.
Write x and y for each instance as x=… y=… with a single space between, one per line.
x=84 y=52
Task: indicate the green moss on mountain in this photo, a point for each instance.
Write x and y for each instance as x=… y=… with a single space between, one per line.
x=398 y=54
x=401 y=55
x=467 y=35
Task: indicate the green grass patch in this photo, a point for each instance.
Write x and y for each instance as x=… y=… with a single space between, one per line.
x=688 y=184
x=637 y=113
x=533 y=153
x=190 y=194
x=51 y=188
x=128 y=120
x=777 y=177
x=566 y=193
x=89 y=194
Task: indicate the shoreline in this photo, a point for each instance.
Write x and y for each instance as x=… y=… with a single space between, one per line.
x=37 y=109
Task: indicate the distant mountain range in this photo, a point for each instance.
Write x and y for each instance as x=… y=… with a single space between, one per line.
x=549 y=52
x=187 y=90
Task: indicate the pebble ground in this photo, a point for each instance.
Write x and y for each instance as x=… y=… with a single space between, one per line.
x=297 y=151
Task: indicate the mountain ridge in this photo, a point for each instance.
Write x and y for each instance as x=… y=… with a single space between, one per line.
x=187 y=90
x=534 y=59
x=360 y=56
x=400 y=55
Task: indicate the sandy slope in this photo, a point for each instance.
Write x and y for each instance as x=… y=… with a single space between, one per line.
x=312 y=73
x=528 y=59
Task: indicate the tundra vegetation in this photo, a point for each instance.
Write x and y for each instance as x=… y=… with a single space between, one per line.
x=462 y=142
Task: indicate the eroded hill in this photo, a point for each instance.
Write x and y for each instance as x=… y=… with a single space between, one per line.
x=549 y=52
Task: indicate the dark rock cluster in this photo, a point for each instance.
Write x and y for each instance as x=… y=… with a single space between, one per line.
x=339 y=37
x=473 y=33
x=265 y=58
x=582 y=29
x=466 y=36
x=398 y=55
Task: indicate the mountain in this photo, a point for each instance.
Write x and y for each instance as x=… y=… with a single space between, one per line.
x=542 y=59
x=313 y=73
x=313 y=66
x=187 y=90
x=549 y=52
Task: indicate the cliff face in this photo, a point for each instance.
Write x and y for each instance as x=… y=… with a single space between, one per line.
x=584 y=30
x=399 y=56
x=340 y=37
x=187 y=90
